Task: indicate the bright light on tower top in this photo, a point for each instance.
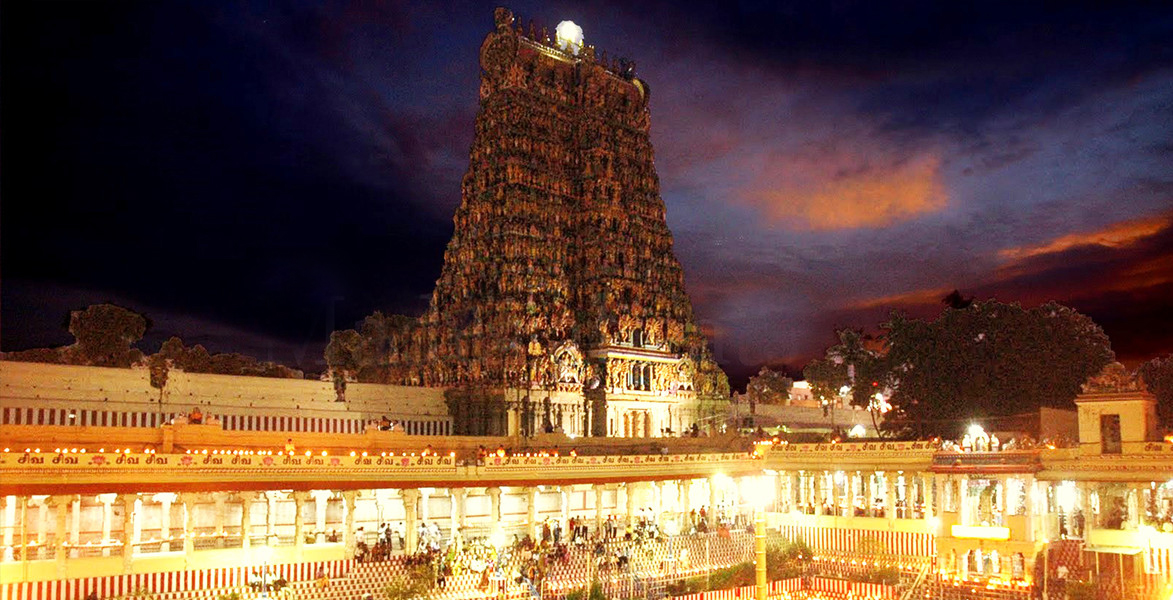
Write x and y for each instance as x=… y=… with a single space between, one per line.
x=568 y=37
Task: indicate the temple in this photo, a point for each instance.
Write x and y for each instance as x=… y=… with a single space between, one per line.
x=518 y=449
x=103 y=494
x=560 y=305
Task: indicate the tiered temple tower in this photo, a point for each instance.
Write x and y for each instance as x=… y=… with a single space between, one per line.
x=560 y=304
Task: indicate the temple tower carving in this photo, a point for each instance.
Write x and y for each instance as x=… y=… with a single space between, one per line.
x=560 y=280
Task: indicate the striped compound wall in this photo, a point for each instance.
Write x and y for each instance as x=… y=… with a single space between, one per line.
x=164 y=586
x=101 y=418
x=847 y=541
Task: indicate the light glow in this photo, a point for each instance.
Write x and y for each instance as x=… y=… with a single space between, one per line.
x=974 y=532
x=568 y=37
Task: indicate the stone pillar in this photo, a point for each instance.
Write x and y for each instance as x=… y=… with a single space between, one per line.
x=321 y=502
x=1083 y=491
x=683 y=489
x=60 y=504
x=42 y=504
x=939 y=481
x=564 y=503
x=629 y=488
x=271 y=498
x=349 y=542
x=658 y=501
x=299 y=498
x=139 y=511
x=411 y=498
x=165 y=501
x=129 y=518
x=963 y=515
x=531 y=513
x=459 y=509
x=10 y=525
x=107 y=502
x=425 y=505
x=854 y=481
x=928 y=493
x=220 y=514
x=598 y=487
x=711 y=517
x=818 y=483
x=1004 y=482
x=74 y=526
x=494 y=505
x=188 y=501
x=871 y=487
x=1030 y=492
x=246 y=518
x=781 y=483
x=1135 y=504
x=890 y=480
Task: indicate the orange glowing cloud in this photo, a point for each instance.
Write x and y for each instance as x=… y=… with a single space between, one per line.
x=1115 y=236
x=912 y=298
x=1126 y=263
x=867 y=197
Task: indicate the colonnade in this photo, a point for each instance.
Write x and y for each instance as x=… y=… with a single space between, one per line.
x=63 y=528
x=67 y=527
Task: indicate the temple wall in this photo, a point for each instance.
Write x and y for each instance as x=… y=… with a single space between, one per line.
x=129 y=391
x=808 y=417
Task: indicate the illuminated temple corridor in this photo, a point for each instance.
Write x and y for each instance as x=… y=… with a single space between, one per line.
x=70 y=514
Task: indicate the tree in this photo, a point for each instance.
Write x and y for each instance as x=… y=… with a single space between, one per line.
x=954 y=299
x=1158 y=377
x=342 y=357
x=38 y=355
x=197 y=359
x=382 y=338
x=988 y=359
x=769 y=387
x=416 y=582
x=857 y=363
x=105 y=334
x=592 y=592
x=826 y=378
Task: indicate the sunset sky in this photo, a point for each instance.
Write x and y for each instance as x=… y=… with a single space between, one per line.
x=252 y=176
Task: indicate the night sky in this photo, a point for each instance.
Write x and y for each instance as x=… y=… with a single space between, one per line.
x=252 y=176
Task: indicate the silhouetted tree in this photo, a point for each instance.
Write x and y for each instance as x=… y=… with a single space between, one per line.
x=769 y=387
x=382 y=338
x=1158 y=377
x=989 y=359
x=856 y=363
x=105 y=335
x=954 y=299
x=342 y=357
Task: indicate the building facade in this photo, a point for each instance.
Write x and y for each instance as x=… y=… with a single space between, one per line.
x=189 y=507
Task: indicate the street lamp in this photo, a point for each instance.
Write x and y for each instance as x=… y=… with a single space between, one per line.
x=266 y=554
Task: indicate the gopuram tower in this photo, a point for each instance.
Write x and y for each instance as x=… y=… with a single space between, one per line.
x=560 y=305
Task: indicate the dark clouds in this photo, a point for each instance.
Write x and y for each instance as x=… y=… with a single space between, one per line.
x=257 y=174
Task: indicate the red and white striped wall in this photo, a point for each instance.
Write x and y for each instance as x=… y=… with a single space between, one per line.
x=162 y=583
x=87 y=418
x=899 y=543
x=1159 y=563
x=99 y=418
x=853 y=589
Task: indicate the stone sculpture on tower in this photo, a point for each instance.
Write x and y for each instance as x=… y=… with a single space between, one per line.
x=560 y=305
